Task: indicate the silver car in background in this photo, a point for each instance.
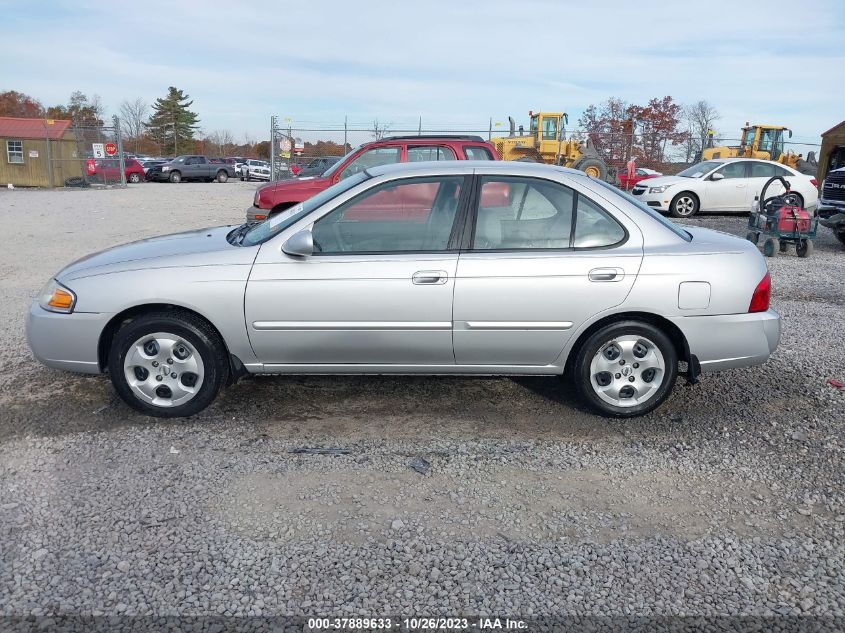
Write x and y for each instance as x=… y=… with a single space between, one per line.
x=457 y=267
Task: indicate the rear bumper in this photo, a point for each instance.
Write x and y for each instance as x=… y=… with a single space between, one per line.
x=731 y=340
x=65 y=341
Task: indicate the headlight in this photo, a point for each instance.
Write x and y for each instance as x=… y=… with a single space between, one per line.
x=56 y=298
x=165 y=168
x=659 y=189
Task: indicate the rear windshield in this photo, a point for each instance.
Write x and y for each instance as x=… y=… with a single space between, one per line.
x=677 y=230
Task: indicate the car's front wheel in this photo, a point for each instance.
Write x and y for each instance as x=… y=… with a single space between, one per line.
x=168 y=364
x=683 y=205
x=175 y=176
x=625 y=369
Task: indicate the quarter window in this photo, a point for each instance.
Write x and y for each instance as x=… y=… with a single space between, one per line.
x=477 y=153
x=418 y=154
x=14 y=152
x=372 y=158
x=412 y=215
x=594 y=228
x=733 y=170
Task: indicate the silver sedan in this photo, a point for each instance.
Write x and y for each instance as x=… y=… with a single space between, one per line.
x=470 y=268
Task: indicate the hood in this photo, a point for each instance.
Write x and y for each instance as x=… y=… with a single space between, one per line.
x=664 y=180
x=192 y=248
x=293 y=190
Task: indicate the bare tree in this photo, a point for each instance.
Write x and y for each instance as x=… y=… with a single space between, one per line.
x=132 y=116
x=701 y=118
x=380 y=130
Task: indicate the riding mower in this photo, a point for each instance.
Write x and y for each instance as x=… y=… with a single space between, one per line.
x=783 y=221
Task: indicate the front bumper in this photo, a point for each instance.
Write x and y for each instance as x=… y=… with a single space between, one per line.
x=658 y=201
x=253 y=213
x=743 y=339
x=158 y=176
x=65 y=341
x=827 y=209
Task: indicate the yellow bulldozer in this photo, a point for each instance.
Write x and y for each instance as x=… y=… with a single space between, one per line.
x=765 y=142
x=546 y=143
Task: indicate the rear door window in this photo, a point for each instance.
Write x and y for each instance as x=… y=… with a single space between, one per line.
x=430 y=152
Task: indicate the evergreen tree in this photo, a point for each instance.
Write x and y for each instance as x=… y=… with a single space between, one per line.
x=172 y=124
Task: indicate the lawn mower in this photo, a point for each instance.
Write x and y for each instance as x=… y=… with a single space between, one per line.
x=783 y=221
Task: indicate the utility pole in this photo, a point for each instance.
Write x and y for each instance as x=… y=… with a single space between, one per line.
x=273 y=148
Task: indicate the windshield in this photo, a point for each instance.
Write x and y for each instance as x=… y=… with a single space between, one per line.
x=331 y=170
x=701 y=169
x=684 y=235
x=279 y=222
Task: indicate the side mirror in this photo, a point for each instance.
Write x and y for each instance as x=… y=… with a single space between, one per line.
x=300 y=244
x=717 y=176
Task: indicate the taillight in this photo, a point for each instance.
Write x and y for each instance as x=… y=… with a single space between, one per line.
x=762 y=295
x=814 y=182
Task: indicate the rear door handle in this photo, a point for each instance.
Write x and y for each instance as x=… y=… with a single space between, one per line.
x=606 y=274
x=430 y=277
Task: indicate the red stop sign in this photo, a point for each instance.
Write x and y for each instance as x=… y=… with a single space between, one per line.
x=111 y=149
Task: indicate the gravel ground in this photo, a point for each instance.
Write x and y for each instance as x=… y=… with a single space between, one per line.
x=728 y=500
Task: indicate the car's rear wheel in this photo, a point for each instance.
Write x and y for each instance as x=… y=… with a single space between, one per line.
x=683 y=205
x=135 y=177
x=168 y=364
x=625 y=369
x=222 y=176
x=175 y=176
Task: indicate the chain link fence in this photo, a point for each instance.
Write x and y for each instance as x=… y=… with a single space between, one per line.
x=297 y=145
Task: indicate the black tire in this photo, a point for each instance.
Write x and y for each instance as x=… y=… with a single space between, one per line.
x=783 y=246
x=134 y=178
x=840 y=235
x=753 y=237
x=222 y=176
x=684 y=205
x=175 y=176
x=593 y=345
x=246 y=176
x=804 y=248
x=593 y=165
x=771 y=246
x=195 y=331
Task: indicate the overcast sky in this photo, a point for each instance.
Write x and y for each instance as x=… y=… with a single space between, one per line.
x=453 y=63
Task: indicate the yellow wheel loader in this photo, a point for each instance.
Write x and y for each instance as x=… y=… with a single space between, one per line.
x=546 y=143
x=767 y=143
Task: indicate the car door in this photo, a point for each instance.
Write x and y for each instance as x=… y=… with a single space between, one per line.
x=202 y=167
x=730 y=193
x=540 y=259
x=760 y=174
x=378 y=289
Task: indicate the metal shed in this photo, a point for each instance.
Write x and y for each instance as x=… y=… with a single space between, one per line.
x=832 y=153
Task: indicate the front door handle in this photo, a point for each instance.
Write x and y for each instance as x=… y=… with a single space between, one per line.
x=430 y=277
x=606 y=274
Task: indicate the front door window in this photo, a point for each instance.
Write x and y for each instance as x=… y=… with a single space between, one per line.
x=372 y=158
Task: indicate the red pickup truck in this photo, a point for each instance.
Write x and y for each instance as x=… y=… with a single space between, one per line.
x=278 y=196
